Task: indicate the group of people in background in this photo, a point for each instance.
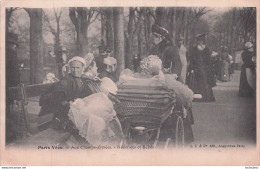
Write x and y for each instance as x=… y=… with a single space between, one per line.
x=199 y=67
x=192 y=67
x=223 y=64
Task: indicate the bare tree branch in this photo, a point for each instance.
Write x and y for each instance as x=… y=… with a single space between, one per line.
x=52 y=30
x=73 y=18
x=94 y=18
x=151 y=13
x=57 y=16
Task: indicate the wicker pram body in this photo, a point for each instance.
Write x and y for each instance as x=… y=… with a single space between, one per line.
x=144 y=105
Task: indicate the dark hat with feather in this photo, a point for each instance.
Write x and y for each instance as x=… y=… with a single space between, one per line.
x=200 y=37
x=160 y=30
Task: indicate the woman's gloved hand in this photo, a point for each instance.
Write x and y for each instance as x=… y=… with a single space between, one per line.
x=65 y=103
x=167 y=70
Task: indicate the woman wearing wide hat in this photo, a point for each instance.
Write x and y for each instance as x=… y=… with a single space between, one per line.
x=248 y=72
x=165 y=50
x=171 y=63
x=200 y=68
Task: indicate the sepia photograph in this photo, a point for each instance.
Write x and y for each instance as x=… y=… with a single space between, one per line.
x=137 y=78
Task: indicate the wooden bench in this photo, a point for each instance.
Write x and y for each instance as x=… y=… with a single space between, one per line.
x=43 y=135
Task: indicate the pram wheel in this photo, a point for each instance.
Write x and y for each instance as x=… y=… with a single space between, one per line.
x=179 y=132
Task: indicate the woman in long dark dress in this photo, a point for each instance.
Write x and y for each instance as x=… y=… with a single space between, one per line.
x=200 y=66
x=245 y=90
x=171 y=62
x=166 y=51
x=224 y=74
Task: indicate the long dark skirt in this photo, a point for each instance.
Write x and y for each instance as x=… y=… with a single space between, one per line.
x=244 y=89
x=203 y=87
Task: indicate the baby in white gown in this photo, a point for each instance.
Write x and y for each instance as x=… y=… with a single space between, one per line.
x=94 y=114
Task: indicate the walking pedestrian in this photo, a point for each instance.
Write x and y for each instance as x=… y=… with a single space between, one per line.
x=248 y=72
x=166 y=51
x=231 y=66
x=224 y=65
x=182 y=53
x=200 y=66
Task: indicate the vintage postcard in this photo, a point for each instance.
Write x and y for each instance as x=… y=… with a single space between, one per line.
x=147 y=83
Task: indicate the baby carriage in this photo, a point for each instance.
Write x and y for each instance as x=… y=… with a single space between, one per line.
x=144 y=109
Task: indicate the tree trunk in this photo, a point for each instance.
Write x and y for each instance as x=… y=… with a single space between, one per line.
x=109 y=28
x=118 y=18
x=147 y=29
x=58 y=49
x=160 y=16
x=231 y=27
x=36 y=46
x=187 y=34
x=58 y=54
x=78 y=17
x=83 y=30
x=103 y=27
x=172 y=30
x=129 y=40
x=140 y=33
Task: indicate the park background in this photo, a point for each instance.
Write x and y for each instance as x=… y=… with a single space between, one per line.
x=125 y=31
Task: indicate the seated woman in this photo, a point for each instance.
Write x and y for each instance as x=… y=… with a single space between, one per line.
x=94 y=116
x=151 y=70
x=71 y=87
x=108 y=68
